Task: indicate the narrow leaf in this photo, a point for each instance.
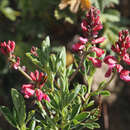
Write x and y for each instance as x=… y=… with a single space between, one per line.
x=105 y=93
x=19 y=105
x=8 y=116
x=82 y=116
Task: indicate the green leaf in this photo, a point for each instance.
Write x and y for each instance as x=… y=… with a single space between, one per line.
x=96 y=125
x=30 y=115
x=89 y=125
x=69 y=70
x=74 y=93
x=101 y=84
x=32 y=125
x=82 y=116
x=8 y=116
x=38 y=128
x=91 y=103
x=19 y=105
x=10 y=13
x=62 y=56
x=45 y=44
x=76 y=122
x=75 y=110
x=34 y=60
x=105 y=93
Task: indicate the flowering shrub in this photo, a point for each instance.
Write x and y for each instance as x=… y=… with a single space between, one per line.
x=61 y=106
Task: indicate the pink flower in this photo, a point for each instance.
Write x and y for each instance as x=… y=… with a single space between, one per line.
x=46 y=97
x=119 y=68
x=96 y=62
x=116 y=48
x=97 y=27
x=126 y=58
x=78 y=47
x=124 y=75
x=34 y=51
x=83 y=40
x=28 y=90
x=17 y=63
x=98 y=40
x=39 y=94
x=108 y=73
x=122 y=45
x=110 y=60
x=7 y=48
x=84 y=25
x=91 y=25
x=99 y=52
x=39 y=78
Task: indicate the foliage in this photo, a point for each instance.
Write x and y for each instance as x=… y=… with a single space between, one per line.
x=66 y=105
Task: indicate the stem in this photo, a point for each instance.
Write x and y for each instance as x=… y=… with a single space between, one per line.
x=105 y=85
x=24 y=73
x=21 y=70
x=80 y=64
x=88 y=95
x=45 y=114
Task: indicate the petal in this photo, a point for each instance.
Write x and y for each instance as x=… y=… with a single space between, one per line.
x=108 y=73
x=98 y=40
x=77 y=47
x=39 y=94
x=96 y=62
x=32 y=75
x=110 y=60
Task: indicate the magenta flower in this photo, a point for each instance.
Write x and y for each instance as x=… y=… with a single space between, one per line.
x=126 y=58
x=28 y=90
x=122 y=45
x=39 y=94
x=17 y=63
x=91 y=25
x=119 y=68
x=116 y=48
x=34 y=51
x=98 y=40
x=83 y=40
x=125 y=75
x=78 y=47
x=96 y=62
x=110 y=60
x=38 y=77
x=108 y=73
x=7 y=48
x=99 y=52
x=46 y=97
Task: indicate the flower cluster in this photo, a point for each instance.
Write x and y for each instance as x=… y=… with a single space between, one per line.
x=91 y=26
x=120 y=48
x=7 y=49
x=34 y=89
x=122 y=45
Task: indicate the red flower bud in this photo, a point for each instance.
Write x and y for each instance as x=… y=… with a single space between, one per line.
x=96 y=62
x=98 y=40
x=99 y=52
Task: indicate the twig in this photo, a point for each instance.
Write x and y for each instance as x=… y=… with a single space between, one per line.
x=106 y=118
x=80 y=65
